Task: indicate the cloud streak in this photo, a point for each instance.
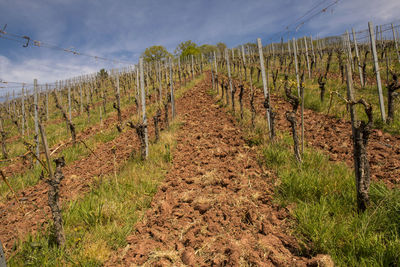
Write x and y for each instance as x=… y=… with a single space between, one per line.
x=123 y=29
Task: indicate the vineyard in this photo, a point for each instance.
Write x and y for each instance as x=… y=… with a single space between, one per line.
x=282 y=154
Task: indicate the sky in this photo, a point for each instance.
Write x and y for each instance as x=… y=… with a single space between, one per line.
x=123 y=29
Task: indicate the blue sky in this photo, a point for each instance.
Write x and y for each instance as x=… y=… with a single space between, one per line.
x=122 y=29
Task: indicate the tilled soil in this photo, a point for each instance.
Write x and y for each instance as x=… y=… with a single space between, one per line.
x=215 y=206
x=20 y=165
x=79 y=174
x=333 y=137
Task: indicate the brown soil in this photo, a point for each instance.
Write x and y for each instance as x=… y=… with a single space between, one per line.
x=79 y=174
x=215 y=207
x=333 y=136
x=20 y=165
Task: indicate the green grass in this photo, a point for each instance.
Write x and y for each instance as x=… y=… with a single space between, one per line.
x=98 y=223
x=321 y=198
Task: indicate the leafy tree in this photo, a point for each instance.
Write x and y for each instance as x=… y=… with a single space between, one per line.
x=187 y=48
x=102 y=74
x=155 y=53
x=221 y=47
x=250 y=45
x=207 y=49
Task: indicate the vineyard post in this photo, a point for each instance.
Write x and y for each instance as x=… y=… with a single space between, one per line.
x=13 y=102
x=35 y=97
x=101 y=117
x=348 y=47
x=192 y=68
x=378 y=76
x=358 y=58
x=118 y=100
x=244 y=63
x=233 y=59
x=23 y=110
x=212 y=75
x=216 y=71
x=172 y=89
x=159 y=82
x=47 y=101
x=138 y=101
x=264 y=79
x=312 y=51
x=229 y=75
x=296 y=66
x=308 y=61
x=395 y=43
x=179 y=71
x=3 y=139
x=69 y=101
x=201 y=63
x=146 y=137
x=302 y=119
x=81 y=99
x=87 y=103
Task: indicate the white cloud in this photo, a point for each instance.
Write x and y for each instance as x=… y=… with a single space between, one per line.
x=123 y=29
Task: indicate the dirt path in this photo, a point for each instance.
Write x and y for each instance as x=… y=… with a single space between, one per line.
x=215 y=207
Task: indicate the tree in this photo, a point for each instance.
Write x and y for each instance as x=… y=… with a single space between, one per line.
x=155 y=53
x=221 y=47
x=187 y=48
x=102 y=74
x=207 y=49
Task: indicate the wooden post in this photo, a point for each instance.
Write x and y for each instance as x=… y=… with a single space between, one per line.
x=35 y=97
x=308 y=61
x=296 y=66
x=172 y=89
x=302 y=119
x=23 y=110
x=138 y=100
x=348 y=47
x=81 y=97
x=47 y=101
x=143 y=98
x=378 y=76
x=118 y=99
x=229 y=75
x=264 y=79
x=87 y=103
x=179 y=71
x=159 y=82
x=244 y=63
x=313 y=52
x=395 y=43
x=216 y=71
x=69 y=101
x=3 y=135
x=192 y=68
x=212 y=75
x=360 y=72
x=13 y=102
